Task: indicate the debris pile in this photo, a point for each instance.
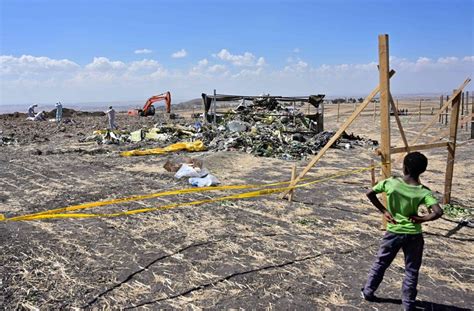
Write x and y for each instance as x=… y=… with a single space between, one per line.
x=264 y=127
x=267 y=128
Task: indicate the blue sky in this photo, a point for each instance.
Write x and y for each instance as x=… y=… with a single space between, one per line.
x=299 y=46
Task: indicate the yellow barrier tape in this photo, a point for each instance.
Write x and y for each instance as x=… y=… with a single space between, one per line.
x=146 y=196
x=244 y=195
x=188 y=146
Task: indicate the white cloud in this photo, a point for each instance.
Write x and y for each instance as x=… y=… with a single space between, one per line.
x=447 y=60
x=28 y=78
x=104 y=64
x=246 y=59
x=179 y=54
x=28 y=65
x=260 y=62
x=217 y=68
x=296 y=50
x=296 y=65
x=146 y=64
x=200 y=67
x=143 y=51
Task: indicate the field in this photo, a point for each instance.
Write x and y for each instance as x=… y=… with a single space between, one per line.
x=259 y=253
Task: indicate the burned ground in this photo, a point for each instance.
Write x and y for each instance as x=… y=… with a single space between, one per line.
x=253 y=254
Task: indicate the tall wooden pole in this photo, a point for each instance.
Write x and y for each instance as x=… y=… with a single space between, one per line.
x=467 y=109
x=440 y=105
x=384 y=79
x=215 y=107
x=453 y=130
x=446 y=112
x=472 y=119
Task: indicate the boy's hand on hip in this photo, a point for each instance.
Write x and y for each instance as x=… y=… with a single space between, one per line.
x=389 y=217
x=418 y=219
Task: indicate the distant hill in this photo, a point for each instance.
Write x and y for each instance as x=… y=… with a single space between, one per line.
x=196 y=103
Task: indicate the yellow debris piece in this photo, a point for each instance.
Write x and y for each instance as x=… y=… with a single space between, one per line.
x=187 y=146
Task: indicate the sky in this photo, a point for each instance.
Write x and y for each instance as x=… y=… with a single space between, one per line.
x=95 y=51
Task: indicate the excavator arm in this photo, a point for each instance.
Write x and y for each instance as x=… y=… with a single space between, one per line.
x=148 y=109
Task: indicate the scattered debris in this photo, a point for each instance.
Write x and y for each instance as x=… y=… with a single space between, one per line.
x=108 y=137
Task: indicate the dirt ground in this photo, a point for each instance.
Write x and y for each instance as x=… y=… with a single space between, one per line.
x=260 y=253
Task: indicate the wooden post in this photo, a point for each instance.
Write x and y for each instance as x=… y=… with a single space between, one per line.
x=462 y=103
x=419 y=111
x=294 y=115
x=215 y=108
x=322 y=116
x=440 y=105
x=453 y=130
x=399 y=123
x=472 y=120
x=338 y=104
x=446 y=112
x=293 y=176
x=466 y=104
x=384 y=81
x=398 y=110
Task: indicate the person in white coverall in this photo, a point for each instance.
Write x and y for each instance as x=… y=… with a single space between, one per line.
x=111 y=118
x=59 y=112
x=31 y=111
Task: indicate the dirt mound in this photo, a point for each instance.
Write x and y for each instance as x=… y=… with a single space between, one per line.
x=68 y=113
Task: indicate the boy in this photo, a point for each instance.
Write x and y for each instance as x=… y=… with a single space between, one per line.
x=404 y=196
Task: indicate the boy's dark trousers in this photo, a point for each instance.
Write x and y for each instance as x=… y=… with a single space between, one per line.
x=412 y=246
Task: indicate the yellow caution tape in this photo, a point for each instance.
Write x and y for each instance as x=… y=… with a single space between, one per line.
x=147 y=196
x=188 y=146
x=52 y=214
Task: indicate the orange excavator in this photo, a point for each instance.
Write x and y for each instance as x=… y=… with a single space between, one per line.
x=149 y=109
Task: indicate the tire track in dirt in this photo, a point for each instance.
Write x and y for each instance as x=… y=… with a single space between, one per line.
x=245 y=272
x=203 y=243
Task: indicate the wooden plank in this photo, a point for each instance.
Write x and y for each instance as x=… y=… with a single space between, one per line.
x=336 y=136
x=448 y=181
x=472 y=120
x=384 y=82
x=399 y=123
x=418 y=147
x=440 y=105
x=293 y=176
x=445 y=106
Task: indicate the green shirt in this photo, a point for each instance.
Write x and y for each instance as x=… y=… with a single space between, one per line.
x=403 y=201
